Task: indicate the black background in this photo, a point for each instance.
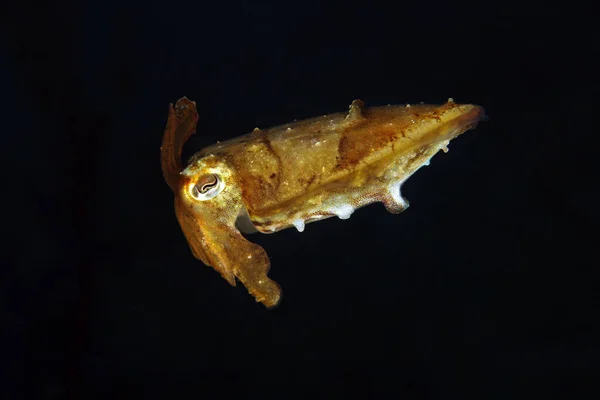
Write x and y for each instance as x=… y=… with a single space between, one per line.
x=483 y=286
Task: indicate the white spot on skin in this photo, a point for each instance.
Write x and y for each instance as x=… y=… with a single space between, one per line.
x=289 y=129
x=394 y=190
x=344 y=211
x=408 y=106
x=425 y=164
x=299 y=224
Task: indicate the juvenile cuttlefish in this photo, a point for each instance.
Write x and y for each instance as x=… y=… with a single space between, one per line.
x=293 y=174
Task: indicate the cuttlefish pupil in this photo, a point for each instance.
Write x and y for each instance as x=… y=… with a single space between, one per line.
x=207 y=187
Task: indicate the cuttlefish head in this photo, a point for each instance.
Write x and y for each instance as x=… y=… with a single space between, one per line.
x=208 y=202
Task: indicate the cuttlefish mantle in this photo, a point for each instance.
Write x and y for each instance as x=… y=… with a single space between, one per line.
x=297 y=173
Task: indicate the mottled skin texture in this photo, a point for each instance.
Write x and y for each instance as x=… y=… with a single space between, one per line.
x=298 y=173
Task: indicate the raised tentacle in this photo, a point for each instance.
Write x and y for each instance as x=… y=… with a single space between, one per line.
x=181 y=124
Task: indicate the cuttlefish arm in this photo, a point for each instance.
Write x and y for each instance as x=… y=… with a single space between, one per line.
x=181 y=124
x=209 y=226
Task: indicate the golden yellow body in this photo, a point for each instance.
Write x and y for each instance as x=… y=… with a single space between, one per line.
x=297 y=173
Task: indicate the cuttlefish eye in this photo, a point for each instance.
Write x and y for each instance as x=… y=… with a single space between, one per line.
x=207 y=187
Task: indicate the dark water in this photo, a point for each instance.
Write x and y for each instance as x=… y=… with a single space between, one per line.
x=485 y=285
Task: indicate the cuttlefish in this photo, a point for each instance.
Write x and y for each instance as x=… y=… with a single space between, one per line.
x=293 y=174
